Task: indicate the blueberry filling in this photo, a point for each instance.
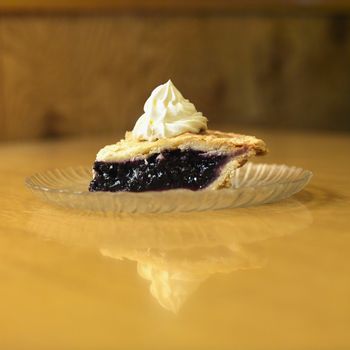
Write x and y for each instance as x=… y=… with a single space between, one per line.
x=171 y=169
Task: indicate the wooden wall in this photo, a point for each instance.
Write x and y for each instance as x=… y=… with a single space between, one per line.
x=70 y=73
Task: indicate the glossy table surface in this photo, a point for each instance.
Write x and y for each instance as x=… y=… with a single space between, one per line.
x=270 y=277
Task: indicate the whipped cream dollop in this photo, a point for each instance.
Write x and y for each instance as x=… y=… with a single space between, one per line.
x=168 y=114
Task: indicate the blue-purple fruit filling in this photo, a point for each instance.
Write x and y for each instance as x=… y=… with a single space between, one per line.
x=189 y=169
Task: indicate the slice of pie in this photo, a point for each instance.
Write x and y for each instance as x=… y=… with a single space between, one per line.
x=193 y=161
x=171 y=147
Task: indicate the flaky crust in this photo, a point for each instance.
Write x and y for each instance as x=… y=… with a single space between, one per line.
x=239 y=147
x=209 y=140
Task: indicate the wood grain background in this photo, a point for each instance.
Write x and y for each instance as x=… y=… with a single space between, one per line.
x=69 y=74
x=326 y=6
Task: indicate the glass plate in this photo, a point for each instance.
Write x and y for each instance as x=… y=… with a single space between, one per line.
x=253 y=184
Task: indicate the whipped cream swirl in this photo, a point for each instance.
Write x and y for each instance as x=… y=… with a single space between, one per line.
x=168 y=114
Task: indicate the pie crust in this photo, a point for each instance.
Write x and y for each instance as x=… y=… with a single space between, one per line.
x=238 y=148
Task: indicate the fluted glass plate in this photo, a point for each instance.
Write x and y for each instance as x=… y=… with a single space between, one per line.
x=253 y=184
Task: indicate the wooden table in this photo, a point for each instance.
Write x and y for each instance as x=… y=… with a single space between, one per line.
x=268 y=277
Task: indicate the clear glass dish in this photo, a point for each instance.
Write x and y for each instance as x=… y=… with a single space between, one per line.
x=254 y=184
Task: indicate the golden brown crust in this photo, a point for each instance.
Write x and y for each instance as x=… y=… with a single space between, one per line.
x=239 y=147
x=209 y=140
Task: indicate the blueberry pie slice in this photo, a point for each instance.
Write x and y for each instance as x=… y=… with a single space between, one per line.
x=170 y=147
x=190 y=161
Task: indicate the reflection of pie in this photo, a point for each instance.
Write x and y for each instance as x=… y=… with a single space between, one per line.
x=176 y=252
x=189 y=161
x=174 y=274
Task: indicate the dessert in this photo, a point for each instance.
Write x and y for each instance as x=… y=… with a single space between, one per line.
x=171 y=147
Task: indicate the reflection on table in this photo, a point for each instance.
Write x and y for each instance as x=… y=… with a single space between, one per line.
x=177 y=252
